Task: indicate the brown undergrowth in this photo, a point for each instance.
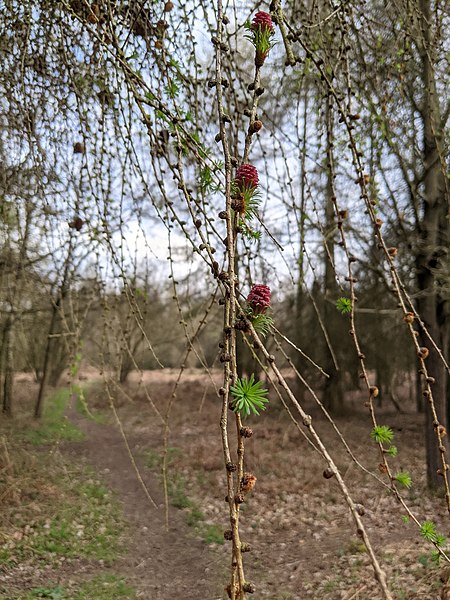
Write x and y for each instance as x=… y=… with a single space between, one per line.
x=303 y=543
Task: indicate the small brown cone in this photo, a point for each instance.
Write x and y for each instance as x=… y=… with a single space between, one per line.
x=248 y=483
x=423 y=352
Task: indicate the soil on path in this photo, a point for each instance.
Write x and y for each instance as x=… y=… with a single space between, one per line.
x=160 y=564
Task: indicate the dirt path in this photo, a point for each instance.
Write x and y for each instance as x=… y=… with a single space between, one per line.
x=162 y=565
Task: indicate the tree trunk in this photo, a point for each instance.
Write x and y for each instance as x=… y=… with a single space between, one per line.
x=432 y=304
x=46 y=369
x=7 y=369
x=46 y=366
x=15 y=307
x=333 y=394
x=301 y=298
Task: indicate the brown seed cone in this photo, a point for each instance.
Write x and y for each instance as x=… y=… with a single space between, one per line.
x=77 y=223
x=241 y=325
x=246 y=432
x=248 y=483
x=257 y=126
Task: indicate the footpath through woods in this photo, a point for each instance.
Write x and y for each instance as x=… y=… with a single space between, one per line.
x=160 y=564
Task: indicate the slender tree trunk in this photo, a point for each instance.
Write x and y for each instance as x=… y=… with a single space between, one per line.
x=2 y=367
x=14 y=300
x=46 y=366
x=301 y=298
x=333 y=393
x=7 y=369
x=46 y=369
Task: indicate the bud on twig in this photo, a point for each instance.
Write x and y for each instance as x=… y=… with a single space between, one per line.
x=423 y=353
x=328 y=473
x=256 y=126
x=246 y=432
x=248 y=482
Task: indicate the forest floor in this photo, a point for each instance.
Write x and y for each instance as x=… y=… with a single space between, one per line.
x=80 y=525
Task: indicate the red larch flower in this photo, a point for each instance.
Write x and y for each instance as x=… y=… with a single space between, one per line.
x=261 y=31
x=262 y=21
x=259 y=298
x=246 y=178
